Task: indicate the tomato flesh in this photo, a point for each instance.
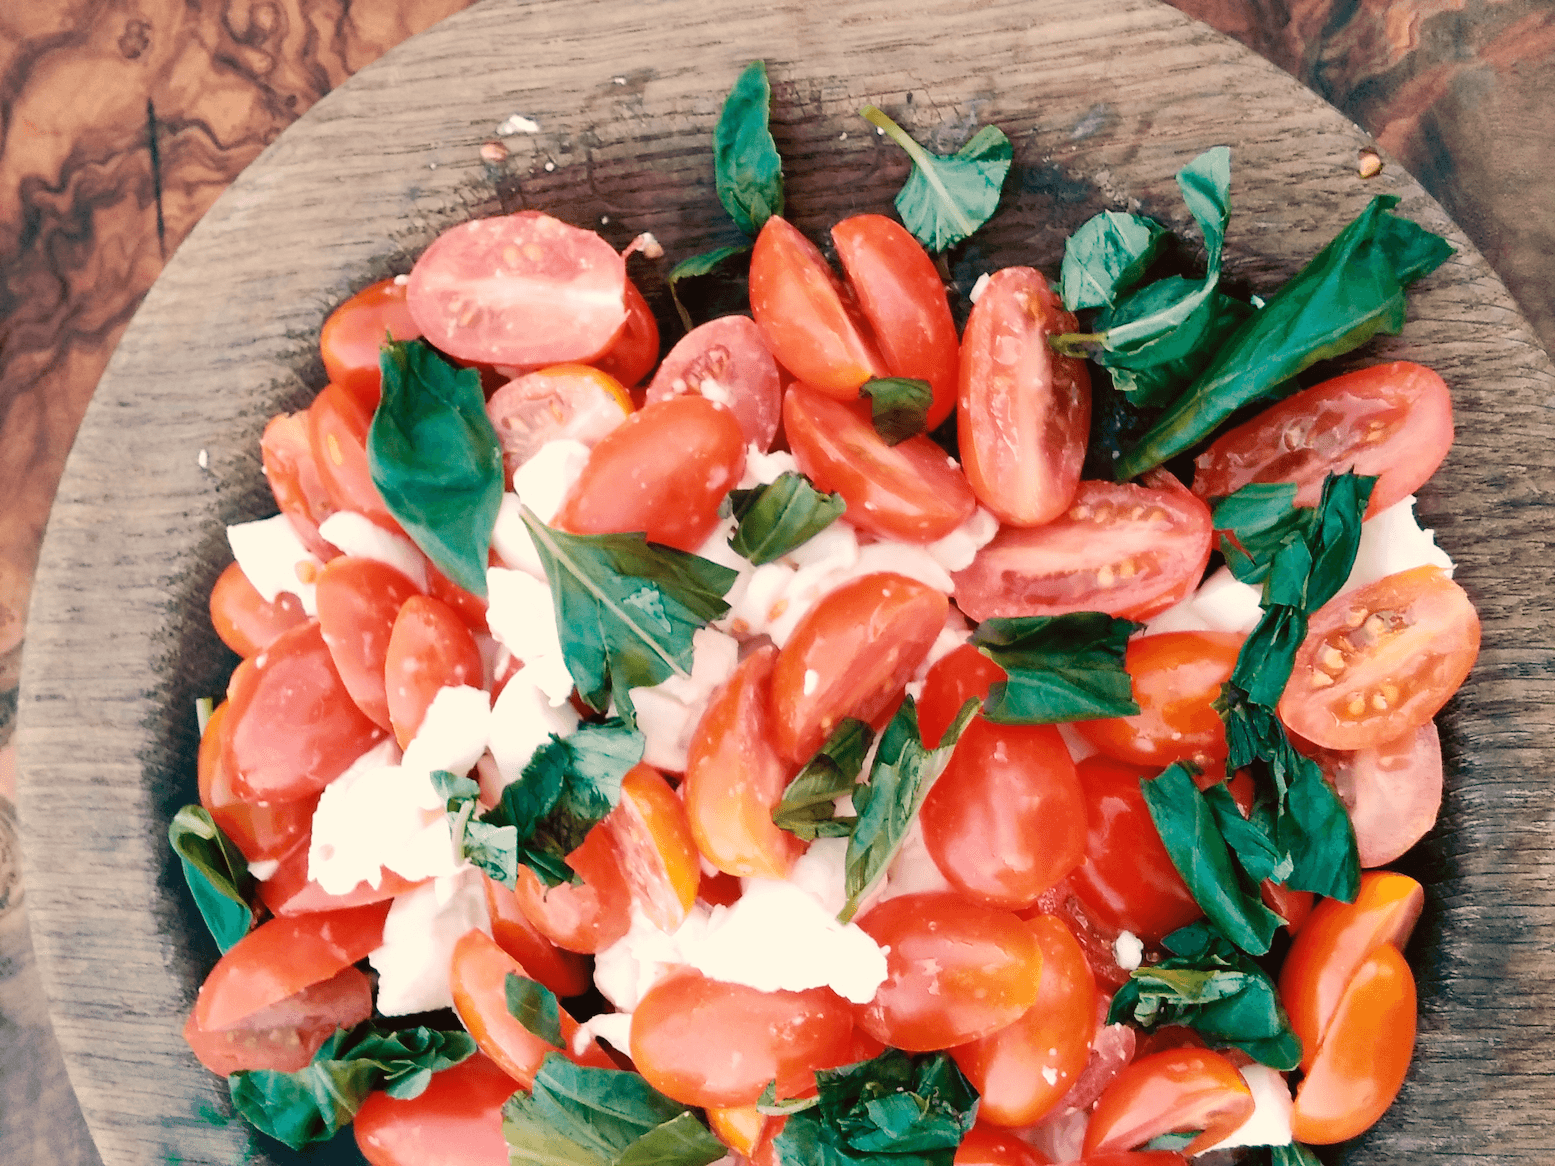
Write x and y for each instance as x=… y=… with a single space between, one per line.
x=727 y=360
x=246 y=622
x=565 y=973
x=337 y=434
x=987 y=1145
x=564 y=401
x=1393 y=791
x=1171 y=1092
x=260 y=830
x=354 y=333
x=430 y=648
x=581 y=917
x=654 y=843
x=358 y=600
x=636 y=349
x=283 y=1036
x=286 y=451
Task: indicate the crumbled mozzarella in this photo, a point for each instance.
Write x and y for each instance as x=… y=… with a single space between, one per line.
x=762 y=468
x=542 y=484
x=517 y=124
x=955 y=633
x=821 y=871
x=614 y=1028
x=1128 y=950
x=1270 y=1122
x=977 y=288
x=510 y=539
x=1392 y=541
x=453 y=733
x=1221 y=604
x=274 y=560
x=419 y=935
x=716 y=548
x=264 y=869
x=522 y=720
x=910 y=559
x=356 y=534
x=667 y=713
x=624 y=971
x=521 y=615
x=957 y=549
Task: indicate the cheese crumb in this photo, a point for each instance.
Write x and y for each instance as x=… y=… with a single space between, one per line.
x=274 y=560
x=419 y=935
x=517 y=124
x=356 y=534
x=1129 y=950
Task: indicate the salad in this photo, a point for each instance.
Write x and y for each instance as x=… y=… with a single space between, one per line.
x=851 y=737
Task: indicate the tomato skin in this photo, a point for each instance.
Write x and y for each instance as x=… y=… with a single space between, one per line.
x=653 y=841
x=1393 y=421
x=636 y=349
x=863 y=642
x=293 y=473
x=662 y=471
x=284 y=1036
x=730 y=352
x=581 y=918
x=955 y=971
x=902 y=296
x=337 y=435
x=260 y=831
x=1129 y=550
x=1006 y=819
x=430 y=648
x=737 y=1126
x=704 y=1042
x=358 y=600
x=951 y=681
x=1393 y=791
x=560 y=401
x=243 y=620
x=909 y=491
x=565 y=973
x=289 y=891
x=456 y=1121
x=1381 y=660
x=353 y=334
x=1177 y=1090
x=987 y=1145
x=1023 y=412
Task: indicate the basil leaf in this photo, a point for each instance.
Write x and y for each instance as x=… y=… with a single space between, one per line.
x=699 y=267
x=899 y=406
x=807 y=807
x=494 y=849
x=626 y=608
x=1061 y=668
x=681 y=1141
x=745 y=159
x=436 y=460
x=1153 y=379
x=1253 y=846
x=947 y=197
x=1257 y=521
x=1170 y=1142
x=1315 y=830
x=534 y=1006
x=1350 y=291
x=1294 y=1154
x=776 y=518
x=217 y=874
x=1105 y=257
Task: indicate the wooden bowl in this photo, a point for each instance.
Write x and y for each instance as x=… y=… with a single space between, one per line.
x=1104 y=101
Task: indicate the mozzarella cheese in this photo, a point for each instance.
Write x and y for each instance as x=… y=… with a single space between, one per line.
x=542 y=484
x=357 y=535
x=453 y=733
x=418 y=942
x=522 y=720
x=522 y=617
x=1269 y=1123
x=762 y=468
x=667 y=713
x=272 y=557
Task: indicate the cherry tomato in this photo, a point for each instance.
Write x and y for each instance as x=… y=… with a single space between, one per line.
x=582 y=917
x=1136 y=1158
x=809 y=319
x=1024 y=1070
x=289 y=891
x=636 y=349
x=1393 y=791
x=455 y=1121
x=354 y=332
x=987 y=1145
x=1127 y=879
x=1024 y=411
x=908 y=491
x=562 y=401
x=358 y=601
x=955 y=971
x=521 y=289
x=294 y=727
x=1096 y=938
x=293 y=473
x=726 y=360
x=243 y=619
x=430 y=648
x=260 y=830
x=1171 y=1092
x=1380 y=660
x=1006 y=819
x=337 y=434
x=654 y=843
x=737 y=1126
x=734 y=777
x=850 y=656
x=284 y=1035
x=705 y=1042
x=951 y=681
x=1295 y=907
x=1112 y=1051
x=1393 y=421
x=1131 y=551
x=565 y=973
x=1176 y=679
x=663 y=471
x=471 y=608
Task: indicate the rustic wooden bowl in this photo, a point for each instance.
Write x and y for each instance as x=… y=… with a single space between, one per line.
x=1103 y=100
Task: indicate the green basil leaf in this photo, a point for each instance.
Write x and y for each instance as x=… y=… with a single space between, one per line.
x=494 y=849
x=748 y=169
x=807 y=808
x=1294 y=1154
x=1105 y=257
x=1061 y=668
x=454 y=790
x=769 y=1104
x=700 y=268
x=1263 y=668
x=1315 y=830
x=436 y=460
x=947 y=197
x=681 y=1141
x=535 y=1007
x=1254 y=848
x=582 y=1116
x=1336 y=535
x=1257 y=521
x=899 y=406
x=776 y=518
x=1153 y=378
x=217 y=874
x=1170 y=1142
x=1205 y=184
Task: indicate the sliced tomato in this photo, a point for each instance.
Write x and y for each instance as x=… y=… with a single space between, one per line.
x=563 y=401
x=951 y=681
x=1381 y=660
x=565 y=973
x=337 y=434
x=1393 y=421
x=1295 y=907
x=289 y=891
x=430 y=648
x=471 y=608
x=246 y=622
x=581 y=917
x=1095 y=937
x=1024 y=411
x=293 y=473
x=737 y=1126
x=261 y=830
x=636 y=350
x=522 y=289
x=1129 y=550
x=909 y=491
x=358 y=601
x=283 y=1036
x=354 y=333
x=455 y=1121
x=987 y=1145
x=1177 y=1091
x=1393 y=791
x=1112 y=1051
x=726 y=360
x=654 y=843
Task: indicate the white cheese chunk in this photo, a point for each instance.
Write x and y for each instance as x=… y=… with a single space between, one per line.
x=264 y=869
x=615 y=1028
x=913 y=870
x=762 y=468
x=274 y=560
x=1269 y=1123
x=542 y=484
x=957 y=549
x=522 y=720
x=419 y=935
x=453 y=733
x=522 y=617
x=357 y=535
x=624 y=971
x=1079 y=748
x=1221 y=604
x=667 y=713
x=716 y=548
x=1129 y=950
x=1392 y=541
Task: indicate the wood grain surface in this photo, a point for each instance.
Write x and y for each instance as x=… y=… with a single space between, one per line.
x=1103 y=101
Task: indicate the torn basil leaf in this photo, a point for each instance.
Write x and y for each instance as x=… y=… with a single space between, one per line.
x=779 y=517
x=217 y=874
x=494 y=849
x=1060 y=668
x=1105 y=257
x=701 y=269
x=748 y=170
x=807 y=807
x=535 y=1007
x=898 y=406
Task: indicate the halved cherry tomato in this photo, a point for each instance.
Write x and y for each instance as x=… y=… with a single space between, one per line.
x=471 y=608
x=563 y=401
x=706 y=1042
x=987 y=1145
x=337 y=433
x=1295 y=907
x=521 y=289
x=565 y=973
x=955 y=971
x=850 y=656
x=358 y=601
x=662 y=471
x=261 y=830
x=737 y=1126
x=1380 y=660
x=909 y=491
x=1393 y=791
x=1023 y=1070
x=951 y=681
x=654 y=843
x=1136 y=1158
x=289 y=891
x=293 y=473
x=582 y=917
x=283 y=1036
x=354 y=332
x=1391 y=420
x=430 y=648
x=455 y=1121
x=1171 y=1092
x=1024 y=411
x=726 y=360
x=244 y=620
x=636 y=349
x=1096 y=938
x=1128 y=550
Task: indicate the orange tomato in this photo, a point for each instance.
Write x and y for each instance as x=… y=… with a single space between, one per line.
x=654 y=844
x=1176 y=1091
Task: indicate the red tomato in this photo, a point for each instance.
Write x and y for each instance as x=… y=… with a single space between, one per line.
x=293 y=473
x=289 y=891
x=1131 y=551
x=900 y=292
x=737 y=1126
x=1127 y=879
x=243 y=619
x=521 y=289
x=565 y=973
x=284 y=1035
x=986 y=1145
x=456 y=1121
x=430 y=648
x=951 y=681
x=294 y=727
x=562 y=401
x=1112 y=1050
x=850 y=656
x=910 y=491
x=1096 y=938
x=636 y=349
x=1391 y=420
x=809 y=319
x=354 y=332
x=471 y=608
x=726 y=360
x=1176 y=680
x=1171 y=1092
x=654 y=843
x=705 y=1042
x=261 y=830
x=1024 y=411
x=1292 y=906
x=955 y=971
x=1138 y=1158
x=1024 y=1070
x=337 y=434
x=1393 y=791
x=663 y=471
x=734 y=777
x=582 y=917
x=1006 y=820
x=358 y=600
x=1380 y=660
